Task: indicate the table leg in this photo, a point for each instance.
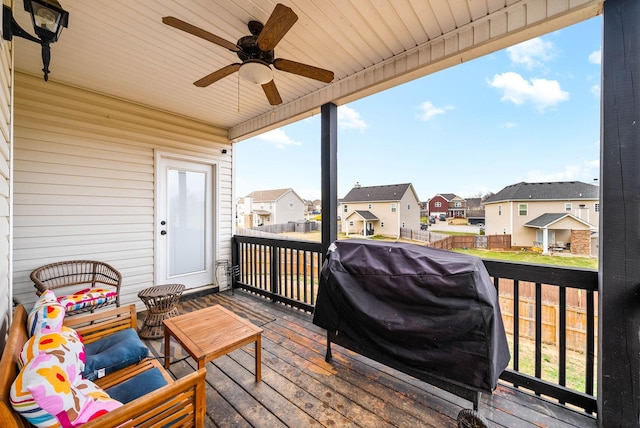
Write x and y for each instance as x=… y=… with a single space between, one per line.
x=167 y=348
x=259 y=358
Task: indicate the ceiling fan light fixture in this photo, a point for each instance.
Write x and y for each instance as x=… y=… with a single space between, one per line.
x=256 y=72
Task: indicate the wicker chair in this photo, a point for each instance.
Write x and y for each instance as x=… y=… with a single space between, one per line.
x=101 y=281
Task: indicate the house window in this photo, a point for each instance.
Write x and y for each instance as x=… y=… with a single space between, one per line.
x=394 y=207
x=351 y=223
x=369 y=206
x=403 y=224
x=522 y=209
x=499 y=209
x=408 y=206
x=290 y=204
x=382 y=224
x=344 y=209
x=457 y=204
x=596 y=207
x=438 y=204
x=567 y=207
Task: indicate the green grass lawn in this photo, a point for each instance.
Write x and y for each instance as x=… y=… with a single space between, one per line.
x=534 y=258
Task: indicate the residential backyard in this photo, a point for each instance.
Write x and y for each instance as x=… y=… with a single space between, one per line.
x=516 y=255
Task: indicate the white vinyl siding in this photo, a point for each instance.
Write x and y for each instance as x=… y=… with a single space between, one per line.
x=5 y=185
x=84 y=181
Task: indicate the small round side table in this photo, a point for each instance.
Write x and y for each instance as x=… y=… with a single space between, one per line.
x=160 y=301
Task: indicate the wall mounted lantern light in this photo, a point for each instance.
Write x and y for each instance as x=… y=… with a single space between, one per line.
x=48 y=19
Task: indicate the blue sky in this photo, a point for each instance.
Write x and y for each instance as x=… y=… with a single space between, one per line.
x=527 y=113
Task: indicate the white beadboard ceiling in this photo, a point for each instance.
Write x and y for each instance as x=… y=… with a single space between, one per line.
x=122 y=48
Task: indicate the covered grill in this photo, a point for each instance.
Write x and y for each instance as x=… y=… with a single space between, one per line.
x=431 y=313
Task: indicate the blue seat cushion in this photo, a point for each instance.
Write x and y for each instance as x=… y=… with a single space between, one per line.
x=137 y=386
x=113 y=352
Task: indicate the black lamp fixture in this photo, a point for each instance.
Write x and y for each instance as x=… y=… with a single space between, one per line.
x=48 y=19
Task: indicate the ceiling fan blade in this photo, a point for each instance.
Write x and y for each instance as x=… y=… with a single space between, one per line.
x=196 y=31
x=217 y=75
x=281 y=20
x=271 y=91
x=305 y=70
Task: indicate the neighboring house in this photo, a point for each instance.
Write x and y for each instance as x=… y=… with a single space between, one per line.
x=475 y=211
x=263 y=207
x=558 y=215
x=449 y=204
x=380 y=210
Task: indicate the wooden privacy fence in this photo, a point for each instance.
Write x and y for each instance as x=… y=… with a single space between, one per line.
x=447 y=242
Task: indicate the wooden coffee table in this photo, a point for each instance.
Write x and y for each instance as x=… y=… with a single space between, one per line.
x=209 y=333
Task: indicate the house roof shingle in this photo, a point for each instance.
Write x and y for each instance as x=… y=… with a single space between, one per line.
x=546 y=191
x=367 y=215
x=548 y=219
x=268 y=195
x=448 y=196
x=390 y=192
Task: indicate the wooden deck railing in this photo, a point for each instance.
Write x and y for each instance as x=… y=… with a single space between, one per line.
x=552 y=326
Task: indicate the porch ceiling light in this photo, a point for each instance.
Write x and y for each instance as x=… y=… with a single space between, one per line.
x=256 y=71
x=48 y=19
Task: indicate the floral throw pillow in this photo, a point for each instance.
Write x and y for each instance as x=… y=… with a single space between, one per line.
x=62 y=345
x=49 y=390
x=87 y=298
x=47 y=314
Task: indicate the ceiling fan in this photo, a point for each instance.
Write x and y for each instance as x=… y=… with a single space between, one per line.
x=256 y=52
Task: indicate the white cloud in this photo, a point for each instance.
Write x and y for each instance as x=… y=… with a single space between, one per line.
x=279 y=139
x=348 y=118
x=510 y=125
x=596 y=57
x=532 y=53
x=541 y=93
x=585 y=172
x=595 y=90
x=428 y=110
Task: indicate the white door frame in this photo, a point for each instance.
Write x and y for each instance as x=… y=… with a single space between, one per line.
x=161 y=156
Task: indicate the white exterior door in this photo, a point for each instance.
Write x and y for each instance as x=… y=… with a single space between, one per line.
x=184 y=222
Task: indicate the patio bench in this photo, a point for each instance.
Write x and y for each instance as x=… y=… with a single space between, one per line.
x=180 y=402
x=88 y=284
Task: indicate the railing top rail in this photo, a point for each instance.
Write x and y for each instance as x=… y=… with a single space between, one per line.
x=284 y=243
x=561 y=276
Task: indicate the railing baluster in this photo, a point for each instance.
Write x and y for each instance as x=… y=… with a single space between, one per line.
x=516 y=325
x=591 y=336
x=538 y=302
x=562 y=339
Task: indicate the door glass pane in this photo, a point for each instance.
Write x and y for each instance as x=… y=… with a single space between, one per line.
x=186 y=221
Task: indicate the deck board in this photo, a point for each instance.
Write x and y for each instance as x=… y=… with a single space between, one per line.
x=299 y=388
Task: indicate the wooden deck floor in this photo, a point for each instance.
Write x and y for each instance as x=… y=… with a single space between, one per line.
x=300 y=389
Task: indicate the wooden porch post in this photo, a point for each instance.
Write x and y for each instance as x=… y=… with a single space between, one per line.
x=329 y=174
x=619 y=287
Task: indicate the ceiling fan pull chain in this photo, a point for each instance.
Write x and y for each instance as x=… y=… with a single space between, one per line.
x=238 y=93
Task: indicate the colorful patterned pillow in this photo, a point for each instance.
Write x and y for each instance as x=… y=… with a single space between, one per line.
x=49 y=391
x=87 y=297
x=47 y=314
x=65 y=344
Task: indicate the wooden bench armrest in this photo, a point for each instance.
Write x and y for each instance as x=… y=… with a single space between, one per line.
x=179 y=402
x=93 y=326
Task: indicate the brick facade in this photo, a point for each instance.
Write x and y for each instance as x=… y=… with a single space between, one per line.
x=581 y=242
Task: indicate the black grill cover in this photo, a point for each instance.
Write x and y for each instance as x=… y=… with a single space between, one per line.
x=433 y=310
